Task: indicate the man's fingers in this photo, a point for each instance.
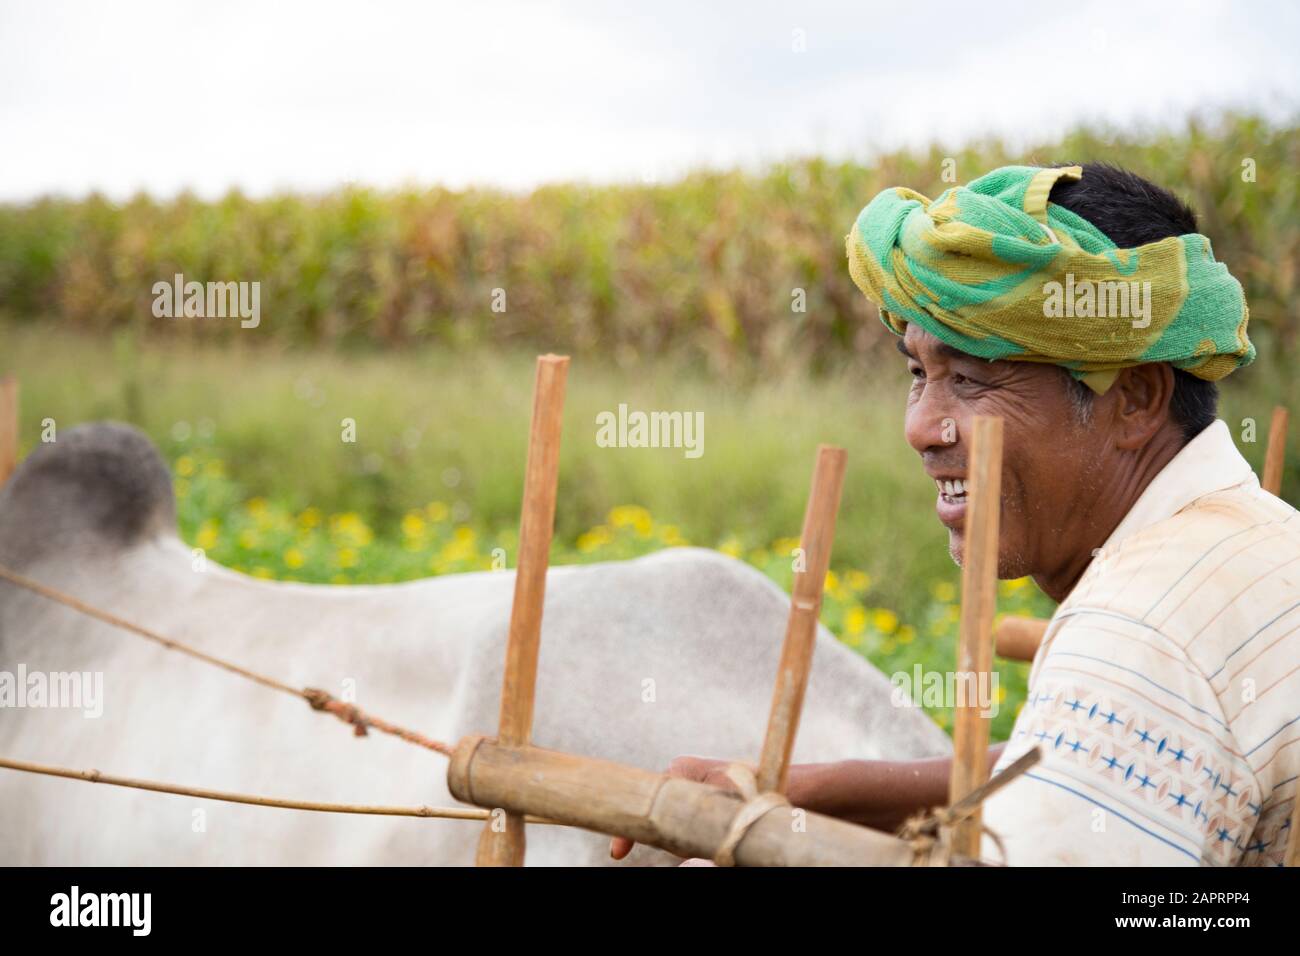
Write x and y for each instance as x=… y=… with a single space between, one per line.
x=620 y=847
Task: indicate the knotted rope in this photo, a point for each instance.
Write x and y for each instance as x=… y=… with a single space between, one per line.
x=757 y=805
x=930 y=833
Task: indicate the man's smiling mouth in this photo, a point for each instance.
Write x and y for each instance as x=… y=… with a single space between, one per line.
x=951 y=503
x=954 y=491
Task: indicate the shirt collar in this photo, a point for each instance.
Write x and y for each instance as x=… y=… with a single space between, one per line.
x=1209 y=462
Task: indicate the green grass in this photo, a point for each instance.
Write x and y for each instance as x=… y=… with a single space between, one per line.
x=433 y=482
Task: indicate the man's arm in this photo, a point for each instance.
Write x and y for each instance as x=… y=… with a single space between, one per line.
x=877 y=793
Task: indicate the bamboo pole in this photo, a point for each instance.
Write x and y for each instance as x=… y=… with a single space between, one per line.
x=8 y=427
x=226 y=796
x=1275 y=454
x=502 y=841
x=681 y=816
x=978 y=603
x=1017 y=638
x=1292 y=857
x=801 y=628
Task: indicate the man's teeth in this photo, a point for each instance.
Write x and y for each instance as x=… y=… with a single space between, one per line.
x=952 y=489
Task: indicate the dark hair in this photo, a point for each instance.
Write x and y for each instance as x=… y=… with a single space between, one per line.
x=1132 y=211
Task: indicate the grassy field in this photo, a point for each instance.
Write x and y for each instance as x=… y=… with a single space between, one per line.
x=432 y=484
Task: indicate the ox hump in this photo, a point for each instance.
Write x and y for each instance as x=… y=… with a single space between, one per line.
x=98 y=487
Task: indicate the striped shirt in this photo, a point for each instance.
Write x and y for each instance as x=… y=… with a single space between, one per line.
x=1165 y=698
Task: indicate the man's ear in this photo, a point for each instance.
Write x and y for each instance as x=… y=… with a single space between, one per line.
x=1142 y=394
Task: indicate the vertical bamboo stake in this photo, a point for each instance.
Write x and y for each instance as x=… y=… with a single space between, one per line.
x=978 y=602
x=8 y=427
x=1292 y=857
x=801 y=628
x=505 y=847
x=1275 y=454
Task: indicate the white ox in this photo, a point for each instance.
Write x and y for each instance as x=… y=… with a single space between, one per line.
x=93 y=514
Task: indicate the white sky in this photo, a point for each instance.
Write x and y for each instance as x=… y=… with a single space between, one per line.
x=162 y=96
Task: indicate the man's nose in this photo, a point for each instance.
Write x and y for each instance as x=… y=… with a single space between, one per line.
x=930 y=423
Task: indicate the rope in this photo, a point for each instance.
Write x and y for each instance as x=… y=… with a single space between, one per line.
x=931 y=833
x=318 y=699
x=757 y=805
x=94 y=776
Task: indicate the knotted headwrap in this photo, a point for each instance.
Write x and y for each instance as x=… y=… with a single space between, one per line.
x=995 y=270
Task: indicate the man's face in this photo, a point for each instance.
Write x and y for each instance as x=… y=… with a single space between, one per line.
x=1050 y=463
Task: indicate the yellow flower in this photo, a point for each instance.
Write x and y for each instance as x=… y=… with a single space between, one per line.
x=310 y=518
x=943 y=591
x=182 y=488
x=346 y=557
x=832 y=583
x=436 y=510
x=185 y=466
x=730 y=547
x=1002 y=694
x=207 y=536
x=413 y=525
x=293 y=558
x=215 y=469
x=256 y=507
x=784 y=546
x=855 y=621
x=1008 y=588
x=884 y=620
x=351 y=529
x=906 y=634
x=461 y=545
x=261 y=572
x=671 y=535
x=593 y=539
x=857 y=580
x=248 y=539
x=633 y=516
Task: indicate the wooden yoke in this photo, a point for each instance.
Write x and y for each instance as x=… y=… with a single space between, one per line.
x=504 y=845
x=8 y=427
x=801 y=628
x=979 y=574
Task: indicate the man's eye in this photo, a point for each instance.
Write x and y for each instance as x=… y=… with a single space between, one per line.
x=917 y=372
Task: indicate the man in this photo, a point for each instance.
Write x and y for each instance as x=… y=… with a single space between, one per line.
x=1165 y=698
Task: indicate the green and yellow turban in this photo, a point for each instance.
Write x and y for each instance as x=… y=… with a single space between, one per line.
x=996 y=271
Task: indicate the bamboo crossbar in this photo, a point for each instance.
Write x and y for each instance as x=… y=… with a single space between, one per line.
x=684 y=817
x=1018 y=638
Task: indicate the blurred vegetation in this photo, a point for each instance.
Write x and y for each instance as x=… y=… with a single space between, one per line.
x=377 y=307
x=706 y=266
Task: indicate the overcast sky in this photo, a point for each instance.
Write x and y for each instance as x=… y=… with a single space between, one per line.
x=163 y=96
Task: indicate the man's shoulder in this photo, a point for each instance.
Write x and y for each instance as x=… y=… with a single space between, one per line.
x=1224 y=564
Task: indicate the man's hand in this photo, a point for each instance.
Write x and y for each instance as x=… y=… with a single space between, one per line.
x=699 y=769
